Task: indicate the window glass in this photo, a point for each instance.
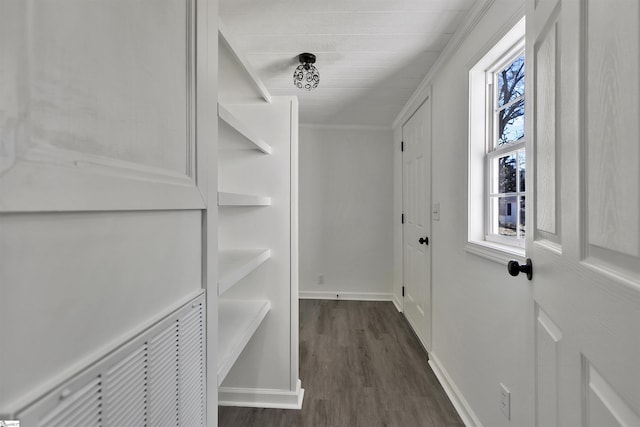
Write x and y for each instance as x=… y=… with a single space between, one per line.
x=507 y=174
x=507 y=166
x=511 y=124
x=510 y=105
x=511 y=82
x=521 y=170
x=521 y=222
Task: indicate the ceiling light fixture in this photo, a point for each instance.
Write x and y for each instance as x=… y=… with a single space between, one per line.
x=306 y=75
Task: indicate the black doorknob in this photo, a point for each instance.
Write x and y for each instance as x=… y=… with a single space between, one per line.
x=515 y=268
x=424 y=241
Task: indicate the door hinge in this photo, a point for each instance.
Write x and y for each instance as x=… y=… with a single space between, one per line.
x=401 y=145
x=403 y=291
x=403 y=218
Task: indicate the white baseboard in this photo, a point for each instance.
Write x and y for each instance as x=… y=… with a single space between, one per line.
x=261 y=398
x=350 y=296
x=469 y=418
x=397 y=302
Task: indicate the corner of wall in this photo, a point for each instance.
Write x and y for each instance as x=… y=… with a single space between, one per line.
x=397 y=219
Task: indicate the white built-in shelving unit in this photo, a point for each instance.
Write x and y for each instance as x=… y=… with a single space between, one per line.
x=238 y=319
x=257 y=235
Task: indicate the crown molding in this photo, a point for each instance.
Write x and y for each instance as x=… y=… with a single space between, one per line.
x=329 y=126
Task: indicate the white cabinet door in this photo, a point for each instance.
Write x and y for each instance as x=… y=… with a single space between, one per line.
x=416 y=188
x=585 y=238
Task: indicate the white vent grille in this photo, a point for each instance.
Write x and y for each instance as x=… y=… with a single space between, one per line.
x=156 y=379
x=80 y=409
x=125 y=391
x=163 y=378
x=191 y=369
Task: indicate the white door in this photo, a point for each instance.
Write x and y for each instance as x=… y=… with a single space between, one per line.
x=416 y=199
x=585 y=243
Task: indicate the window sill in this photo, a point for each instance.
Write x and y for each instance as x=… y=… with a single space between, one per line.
x=496 y=252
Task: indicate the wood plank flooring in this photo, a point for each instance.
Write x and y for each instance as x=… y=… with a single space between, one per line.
x=360 y=365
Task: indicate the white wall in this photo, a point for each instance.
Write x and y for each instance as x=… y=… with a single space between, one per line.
x=346 y=212
x=482 y=318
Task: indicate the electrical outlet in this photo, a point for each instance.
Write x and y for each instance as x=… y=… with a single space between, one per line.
x=320 y=279
x=505 y=401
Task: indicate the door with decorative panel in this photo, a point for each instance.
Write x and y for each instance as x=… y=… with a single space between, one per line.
x=584 y=59
x=416 y=200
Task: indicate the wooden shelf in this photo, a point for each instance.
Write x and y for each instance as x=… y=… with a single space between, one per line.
x=237 y=199
x=241 y=319
x=243 y=129
x=233 y=265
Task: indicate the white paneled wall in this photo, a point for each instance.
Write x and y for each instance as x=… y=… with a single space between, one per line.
x=104 y=177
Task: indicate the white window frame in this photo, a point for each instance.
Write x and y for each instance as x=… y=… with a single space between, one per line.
x=493 y=152
x=481 y=147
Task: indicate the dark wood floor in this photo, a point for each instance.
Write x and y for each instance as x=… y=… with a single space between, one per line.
x=360 y=365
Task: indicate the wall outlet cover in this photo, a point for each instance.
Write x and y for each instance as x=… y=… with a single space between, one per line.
x=435 y=211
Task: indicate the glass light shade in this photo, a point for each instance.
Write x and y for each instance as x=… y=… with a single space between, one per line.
x=306 y=76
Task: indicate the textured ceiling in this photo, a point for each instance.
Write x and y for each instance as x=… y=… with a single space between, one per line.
x=371 y=54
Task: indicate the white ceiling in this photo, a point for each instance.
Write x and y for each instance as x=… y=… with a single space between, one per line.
x=371 y=54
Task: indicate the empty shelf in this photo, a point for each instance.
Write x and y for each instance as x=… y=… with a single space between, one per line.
x=243 y=129
x=236 y=264
x=241 y=61
x=237 y=322
x=237 y=199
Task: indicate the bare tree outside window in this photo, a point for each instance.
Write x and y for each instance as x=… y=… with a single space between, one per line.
x=510 y=104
